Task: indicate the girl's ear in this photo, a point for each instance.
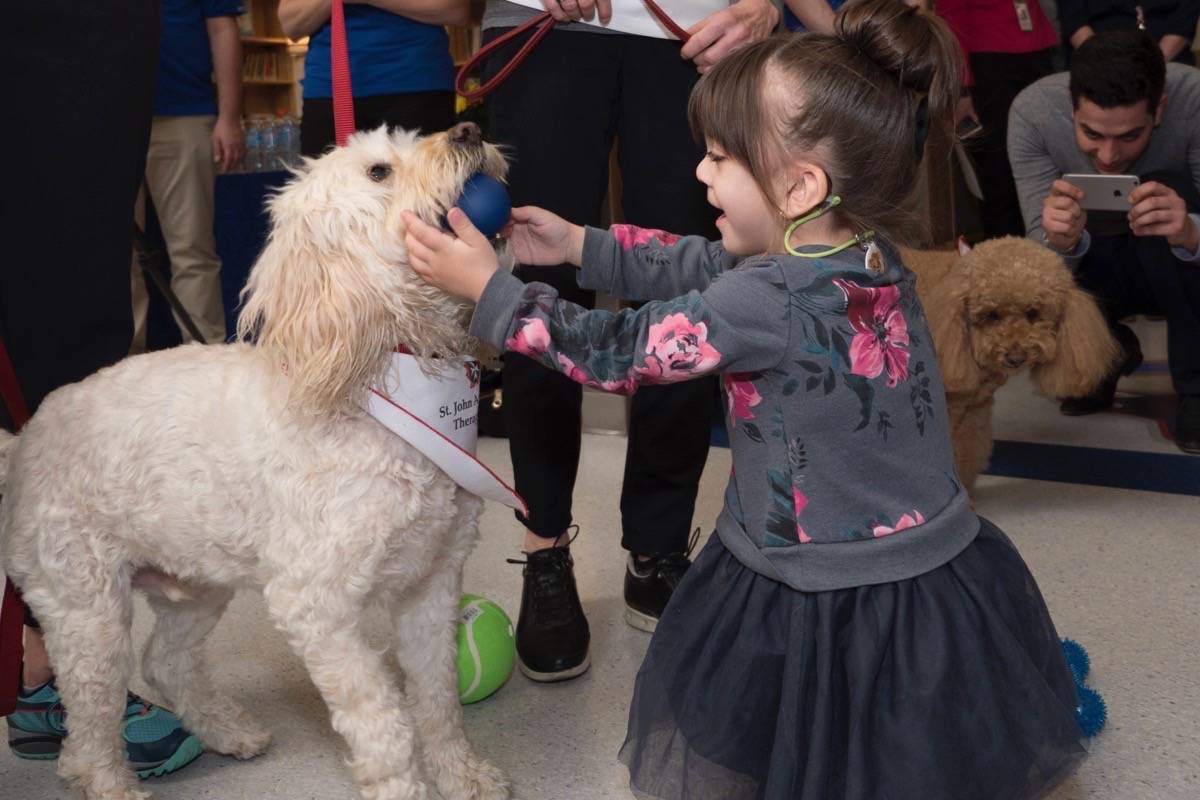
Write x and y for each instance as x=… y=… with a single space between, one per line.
x=807 y=187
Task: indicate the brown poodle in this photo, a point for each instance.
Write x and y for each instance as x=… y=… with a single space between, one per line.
x=993 y=310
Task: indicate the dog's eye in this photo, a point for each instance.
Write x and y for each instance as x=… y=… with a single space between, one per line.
x=991 y=317
x=1033 y=315
x=379 y=172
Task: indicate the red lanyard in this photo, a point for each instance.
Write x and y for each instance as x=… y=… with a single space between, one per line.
x=544 y=24
x=339 y=65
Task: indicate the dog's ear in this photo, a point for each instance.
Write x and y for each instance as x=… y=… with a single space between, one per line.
x=946 y=310
x=318 y=316
x=1085 y=353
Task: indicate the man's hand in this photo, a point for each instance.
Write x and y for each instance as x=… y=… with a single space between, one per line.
x=228 y=143
x=719 y=34
x=461 y=264
x=1063 y=220
x=1159 y=211
x=576 y=10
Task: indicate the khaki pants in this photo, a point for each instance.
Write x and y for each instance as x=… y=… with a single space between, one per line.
x=180 y=175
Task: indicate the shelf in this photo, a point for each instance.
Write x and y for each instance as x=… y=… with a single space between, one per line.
x=267 y=81
x=267 y=40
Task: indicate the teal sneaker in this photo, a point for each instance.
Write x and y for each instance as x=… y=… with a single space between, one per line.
x=155 y=740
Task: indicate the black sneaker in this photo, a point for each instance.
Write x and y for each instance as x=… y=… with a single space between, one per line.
x=649 y=584
x=1187 y=424
x=1103 y=395
x=552 y=632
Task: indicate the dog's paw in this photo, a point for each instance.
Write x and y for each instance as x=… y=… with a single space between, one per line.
x=475 y=780
x=395 y=789
x=245 y=740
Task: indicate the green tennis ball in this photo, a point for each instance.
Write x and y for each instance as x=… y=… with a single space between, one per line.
x=487 y=648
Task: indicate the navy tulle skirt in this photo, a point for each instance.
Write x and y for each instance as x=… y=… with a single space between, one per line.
x=948 y=686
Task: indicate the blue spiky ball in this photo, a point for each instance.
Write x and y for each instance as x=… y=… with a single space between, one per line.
x=1090 y=711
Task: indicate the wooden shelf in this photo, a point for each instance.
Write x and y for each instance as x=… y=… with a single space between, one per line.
x=267 y=81
x=267 y=40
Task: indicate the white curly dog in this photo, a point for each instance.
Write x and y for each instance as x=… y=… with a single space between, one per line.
x=192 y=471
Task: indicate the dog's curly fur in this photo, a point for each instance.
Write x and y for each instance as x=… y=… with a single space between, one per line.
x=1005 y=305
x=192 y=471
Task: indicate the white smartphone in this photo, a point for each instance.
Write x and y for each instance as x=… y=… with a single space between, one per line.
x=1103 y=192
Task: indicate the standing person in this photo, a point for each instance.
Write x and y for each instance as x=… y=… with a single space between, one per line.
x=1122 y=110
x=1172 y=23
x=853 y=630
x=193 y=135
x=558 y=113
x=82 y=77
x=1008 y=46
x=401 y=72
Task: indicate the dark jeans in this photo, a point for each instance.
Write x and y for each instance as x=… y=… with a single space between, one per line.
x=78 y=84
x=1140 y=275
x=559 y=113
x=428 y=112
x=999 y=78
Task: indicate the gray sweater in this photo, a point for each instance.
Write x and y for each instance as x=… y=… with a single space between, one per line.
x=843 y=473
x=1041 y=142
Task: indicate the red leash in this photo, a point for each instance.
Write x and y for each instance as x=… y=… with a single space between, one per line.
x=339 y=65
x=12 y=610
x=544 y=24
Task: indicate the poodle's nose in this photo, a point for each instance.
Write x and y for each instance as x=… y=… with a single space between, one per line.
x=465 y=133
x=1014 y=360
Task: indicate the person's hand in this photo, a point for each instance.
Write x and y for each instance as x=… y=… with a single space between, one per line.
x=576 y=10
x=460 y=265
x=540 y=238
x=1063 y=220
x=1081 y=35
x=1157 y=210
x=719 y=34
x=228 y=143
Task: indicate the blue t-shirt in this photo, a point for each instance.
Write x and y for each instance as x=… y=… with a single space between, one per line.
x=184 y=86
x=389 y=54
x=793 y=24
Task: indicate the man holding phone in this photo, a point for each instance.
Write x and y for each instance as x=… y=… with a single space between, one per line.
x=1121 y=111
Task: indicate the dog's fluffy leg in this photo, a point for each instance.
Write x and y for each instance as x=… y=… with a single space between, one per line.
x=173 y=663
x=90 y=647
x=427 y=651
x=320 y=616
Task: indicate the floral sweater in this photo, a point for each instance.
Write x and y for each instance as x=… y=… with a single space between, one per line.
x=842 y=468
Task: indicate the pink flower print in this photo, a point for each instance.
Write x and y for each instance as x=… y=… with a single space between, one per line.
x=742 y=396
x=799 y=501
x=531 y=338
x=677 y=348
x=880 y=332
x=907 y=521
x=630 y=235
x=569 y=368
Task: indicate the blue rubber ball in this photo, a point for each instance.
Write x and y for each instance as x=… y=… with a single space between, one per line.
x=485 y=202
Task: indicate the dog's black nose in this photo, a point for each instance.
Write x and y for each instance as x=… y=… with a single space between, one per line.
x=466 y=133
x=1014 y=360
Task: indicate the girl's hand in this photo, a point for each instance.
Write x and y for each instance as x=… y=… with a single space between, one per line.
x=460 y=266
x=540 y=238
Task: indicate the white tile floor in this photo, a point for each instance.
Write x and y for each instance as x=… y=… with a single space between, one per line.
x=1119 y=569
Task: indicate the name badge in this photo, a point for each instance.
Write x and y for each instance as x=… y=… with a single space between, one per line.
x=1024 y=19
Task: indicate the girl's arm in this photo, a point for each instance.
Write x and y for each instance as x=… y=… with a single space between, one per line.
x=644 y=264
x=740 y=322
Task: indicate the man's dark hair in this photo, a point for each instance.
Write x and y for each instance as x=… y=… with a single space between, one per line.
x=1118 y=68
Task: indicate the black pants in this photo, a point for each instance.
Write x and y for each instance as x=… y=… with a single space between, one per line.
x=1140 y=275
x=427 y=112
x=559 y=112
x=78 y=86
x=999 y=78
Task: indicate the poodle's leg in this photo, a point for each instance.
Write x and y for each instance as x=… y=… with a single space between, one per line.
x=427 y=651
x=174 y=664
x=973 y=443
x=320 y=615
x=87 y=637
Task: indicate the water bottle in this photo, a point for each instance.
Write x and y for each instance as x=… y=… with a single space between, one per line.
x=284 y=142
x=270 y=146
x=253 y=161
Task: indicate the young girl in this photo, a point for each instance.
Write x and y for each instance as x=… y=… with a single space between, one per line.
x=853 y=630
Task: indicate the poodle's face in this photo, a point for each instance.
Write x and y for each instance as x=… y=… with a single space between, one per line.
x=332 y=294
x=1015 y=300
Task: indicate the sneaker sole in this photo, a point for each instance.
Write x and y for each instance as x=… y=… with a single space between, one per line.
x=189 y=750
x=643 y=622
x=555 y=677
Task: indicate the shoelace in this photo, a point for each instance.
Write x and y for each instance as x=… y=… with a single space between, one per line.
x=670 y=568
x=551 y=594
